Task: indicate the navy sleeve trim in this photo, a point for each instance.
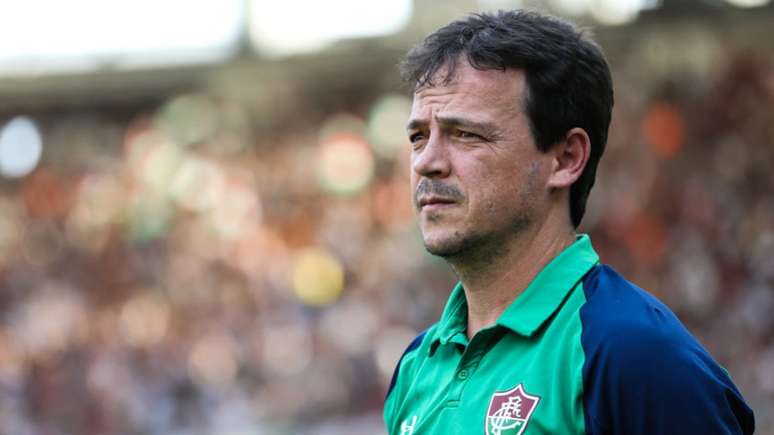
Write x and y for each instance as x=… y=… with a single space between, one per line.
x=644 y=373
x=413 y=345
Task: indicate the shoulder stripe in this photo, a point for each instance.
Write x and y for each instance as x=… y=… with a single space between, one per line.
x=413 y=345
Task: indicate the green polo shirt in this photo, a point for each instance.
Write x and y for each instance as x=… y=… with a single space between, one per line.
x=556 y=360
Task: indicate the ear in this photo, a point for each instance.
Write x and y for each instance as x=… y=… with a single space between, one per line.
x=570 y=157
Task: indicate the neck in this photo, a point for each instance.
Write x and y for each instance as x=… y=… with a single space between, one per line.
x=494 y=277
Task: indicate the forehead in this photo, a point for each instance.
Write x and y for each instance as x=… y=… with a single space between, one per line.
x=485 y=92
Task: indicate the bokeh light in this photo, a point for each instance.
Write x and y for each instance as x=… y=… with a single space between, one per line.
x=158 y=168
x=188 y=119
x=318 y=277
x=49 y=320
x=198 y=184
x=387 y=125
x=238 y=212
x=663 y=129
x=214 y=360
x=153 y=158
x=99 y=204
x=149 y=216
x=345 y=161
x=287 y=349
x=345 y=164
x=144 y=320
x=21 y=147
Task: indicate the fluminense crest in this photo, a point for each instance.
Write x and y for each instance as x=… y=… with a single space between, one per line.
x=509 y=411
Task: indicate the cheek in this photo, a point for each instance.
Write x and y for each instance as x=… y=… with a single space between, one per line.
x=491 y=195
x=503 y=197
x=508 y=189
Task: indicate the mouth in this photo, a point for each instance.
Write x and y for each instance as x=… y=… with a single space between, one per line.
x=435 y=203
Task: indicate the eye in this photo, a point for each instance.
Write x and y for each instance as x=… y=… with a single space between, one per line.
x=468 y=135
x=416 y=137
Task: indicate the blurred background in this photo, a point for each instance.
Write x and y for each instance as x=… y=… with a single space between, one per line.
x=205 y=225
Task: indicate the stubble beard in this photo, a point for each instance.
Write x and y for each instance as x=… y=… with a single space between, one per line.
x=465 y=249
x=474 y=247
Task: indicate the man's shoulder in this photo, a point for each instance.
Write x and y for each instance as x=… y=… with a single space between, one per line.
x=643 y=369
x=626 y=329
x=629 y=337
x=619 y=314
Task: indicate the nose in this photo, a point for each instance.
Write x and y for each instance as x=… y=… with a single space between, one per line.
x=432 y=160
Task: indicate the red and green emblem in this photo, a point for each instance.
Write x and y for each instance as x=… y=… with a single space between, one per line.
x=509 y=411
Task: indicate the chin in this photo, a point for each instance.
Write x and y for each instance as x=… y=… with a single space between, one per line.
x=445 y=246
x=457 y=247
x=444 y=251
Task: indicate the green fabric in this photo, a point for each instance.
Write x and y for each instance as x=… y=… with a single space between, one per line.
x=531 y=357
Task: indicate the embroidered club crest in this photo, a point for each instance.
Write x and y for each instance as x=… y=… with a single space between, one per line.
x=509 y=411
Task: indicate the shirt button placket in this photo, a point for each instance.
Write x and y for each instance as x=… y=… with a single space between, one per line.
x=467 y=367
x=469 y=363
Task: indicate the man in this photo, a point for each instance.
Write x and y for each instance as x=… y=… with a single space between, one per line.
x=509 y=121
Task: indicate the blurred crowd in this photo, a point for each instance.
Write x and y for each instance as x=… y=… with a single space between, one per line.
x=193 y=266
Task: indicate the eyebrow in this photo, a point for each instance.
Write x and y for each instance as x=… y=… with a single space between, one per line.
x=454 y=121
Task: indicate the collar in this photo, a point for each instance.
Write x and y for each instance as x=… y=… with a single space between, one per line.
x=454 y=320
x=534 y=306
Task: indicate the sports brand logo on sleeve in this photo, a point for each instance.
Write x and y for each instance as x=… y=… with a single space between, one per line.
x=407 y=427
x=509 y=411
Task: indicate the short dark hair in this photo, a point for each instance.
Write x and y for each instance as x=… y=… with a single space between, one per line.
x=567 y=77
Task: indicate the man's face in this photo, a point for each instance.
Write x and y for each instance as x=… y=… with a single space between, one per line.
x=477 y=177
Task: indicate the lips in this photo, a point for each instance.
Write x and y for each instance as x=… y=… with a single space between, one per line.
x=435 y=201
